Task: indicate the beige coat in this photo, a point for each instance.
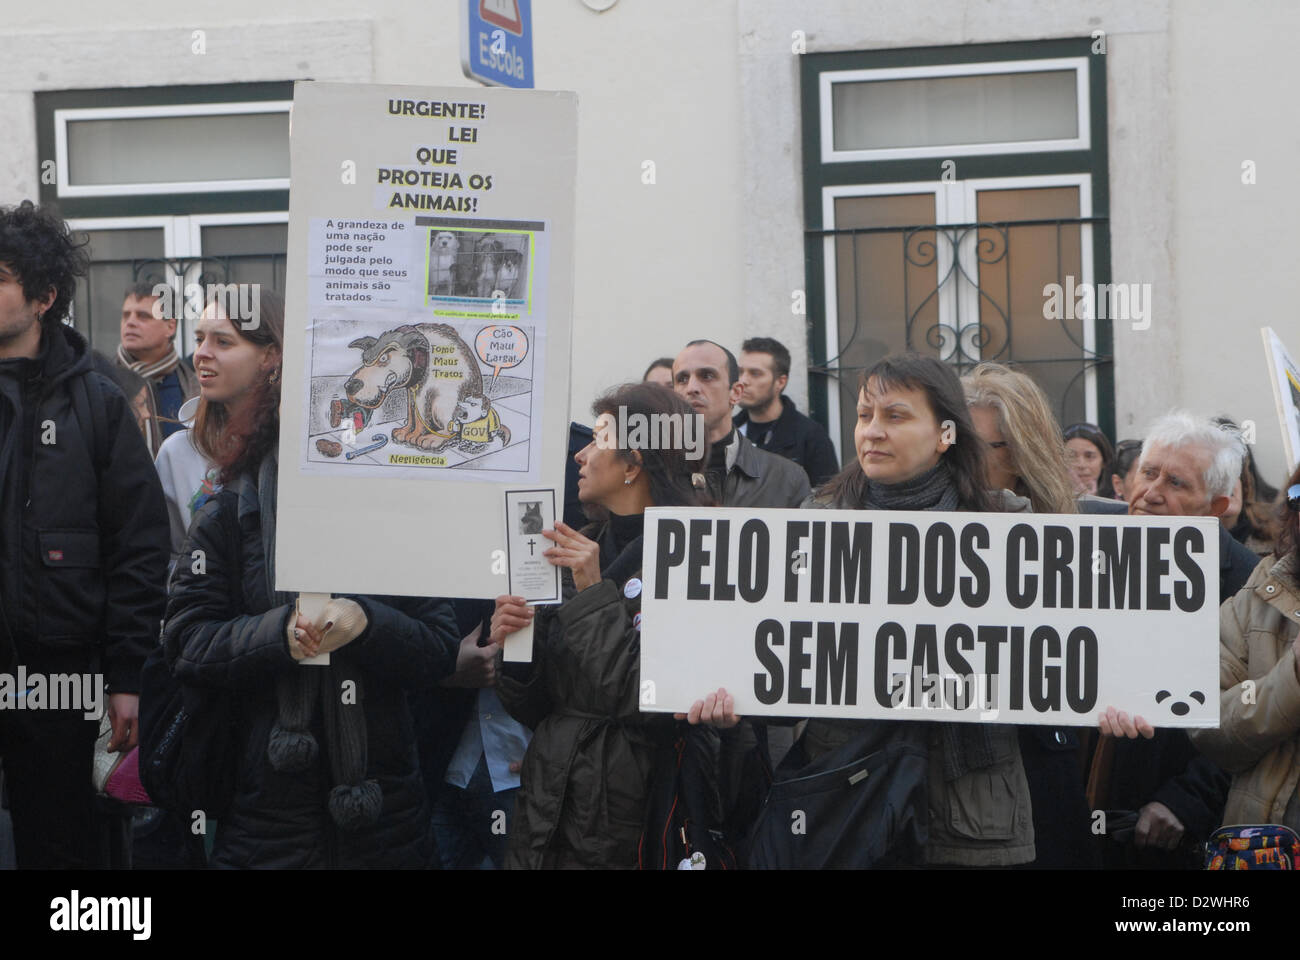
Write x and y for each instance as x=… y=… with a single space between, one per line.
x=1258 y=738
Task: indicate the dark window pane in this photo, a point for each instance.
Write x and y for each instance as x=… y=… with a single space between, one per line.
x=115 y=256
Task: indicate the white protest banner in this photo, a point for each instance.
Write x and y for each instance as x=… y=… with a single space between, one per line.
x=1012 y=618
x=1285 y=375
x=426 y=371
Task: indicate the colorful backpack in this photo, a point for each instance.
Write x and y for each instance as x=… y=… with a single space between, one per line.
x=1266 y=846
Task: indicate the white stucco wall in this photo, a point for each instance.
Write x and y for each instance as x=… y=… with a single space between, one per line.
x=1234 y=245
x=708 y=90
x=657 y=264
x=1193 y=90
x=1141 y=131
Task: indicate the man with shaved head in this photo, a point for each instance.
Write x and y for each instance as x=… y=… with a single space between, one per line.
x=707 y=376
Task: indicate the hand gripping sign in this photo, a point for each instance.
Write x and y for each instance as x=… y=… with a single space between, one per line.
x=932 y=616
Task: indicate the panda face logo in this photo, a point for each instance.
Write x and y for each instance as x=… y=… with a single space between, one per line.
x=1180 y=708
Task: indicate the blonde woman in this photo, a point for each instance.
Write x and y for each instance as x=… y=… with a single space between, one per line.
x=1013 y=417
x=1027 y=456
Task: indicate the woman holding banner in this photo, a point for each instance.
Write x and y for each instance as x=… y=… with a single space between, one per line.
x=923 y=793
x=322 y=758
x=598 y=769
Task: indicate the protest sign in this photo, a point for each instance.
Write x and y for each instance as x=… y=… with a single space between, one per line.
x=1284 y=372
x=1012 y=618
x=426 y=337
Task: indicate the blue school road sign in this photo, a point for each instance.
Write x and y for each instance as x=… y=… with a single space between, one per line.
x=496 y=42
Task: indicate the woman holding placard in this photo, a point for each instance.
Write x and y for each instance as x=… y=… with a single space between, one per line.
x=879 y=792
x=918 y=450
x=596 y=763
x=322 y=764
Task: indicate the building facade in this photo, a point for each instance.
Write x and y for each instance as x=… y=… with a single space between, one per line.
x=850 y=178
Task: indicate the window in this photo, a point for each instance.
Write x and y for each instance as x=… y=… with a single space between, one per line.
x=1031 y=105
x=198 y=249
x=944 y=189
x=187 y=184
x=172 y=149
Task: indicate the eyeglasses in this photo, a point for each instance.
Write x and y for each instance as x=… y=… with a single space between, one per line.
x=1293 y=497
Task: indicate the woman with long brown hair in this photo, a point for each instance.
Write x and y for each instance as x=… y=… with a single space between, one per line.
x=1089 y=453
x=917 y=449
x=587 y=780
x=318 y=779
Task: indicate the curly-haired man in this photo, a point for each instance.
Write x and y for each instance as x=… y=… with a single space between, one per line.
x=83 y=549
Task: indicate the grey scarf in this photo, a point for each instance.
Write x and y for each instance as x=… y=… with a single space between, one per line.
x=354 y=802
x=932 y=490
x=966 y=746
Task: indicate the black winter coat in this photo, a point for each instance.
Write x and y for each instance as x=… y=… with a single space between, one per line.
x=83 y=547
x=800 y=439
x=278 y=819
x=1167 y=769
x=588 y=777
x=1062 y=836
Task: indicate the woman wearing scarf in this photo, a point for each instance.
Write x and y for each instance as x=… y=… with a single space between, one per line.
x=326 y=769
x=917 y=449
x=586 y=781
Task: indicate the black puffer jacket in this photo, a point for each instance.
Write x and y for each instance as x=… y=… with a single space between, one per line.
x=83 y=548
x=278 y=819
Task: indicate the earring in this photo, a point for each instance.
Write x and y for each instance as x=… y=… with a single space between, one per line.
x=274 y=377
x=627 y=481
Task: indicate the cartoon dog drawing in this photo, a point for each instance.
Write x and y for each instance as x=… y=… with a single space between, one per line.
x=476 y=422
x=432 y=364
x=443 y=263
x=508 y=275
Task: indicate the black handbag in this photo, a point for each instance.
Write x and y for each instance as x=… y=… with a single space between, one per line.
x=188 y=752
x=862 y=804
